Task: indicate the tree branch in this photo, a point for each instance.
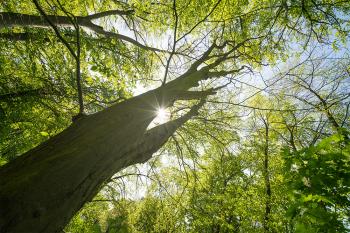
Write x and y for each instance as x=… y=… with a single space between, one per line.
x=76 y=56
x=108 y=13
x=74 y=21
x=10 y=19
x=155 y=137
x=174 y=43
x=58 y=34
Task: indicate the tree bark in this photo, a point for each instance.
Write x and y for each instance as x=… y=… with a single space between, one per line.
x=10 y=19
x=41 y=190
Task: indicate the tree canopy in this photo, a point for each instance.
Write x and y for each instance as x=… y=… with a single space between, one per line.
x=174 y=116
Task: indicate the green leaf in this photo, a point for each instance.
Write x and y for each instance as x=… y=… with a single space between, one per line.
x=45 y=134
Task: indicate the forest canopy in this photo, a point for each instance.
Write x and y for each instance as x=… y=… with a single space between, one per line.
x=174 y=116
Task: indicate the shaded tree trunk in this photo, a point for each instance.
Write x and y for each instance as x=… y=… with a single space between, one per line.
x=41 y=190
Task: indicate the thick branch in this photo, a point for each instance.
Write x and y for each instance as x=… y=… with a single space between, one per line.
x=203 y=58
x=9 y=19
x=159 y=135
x=101 y=31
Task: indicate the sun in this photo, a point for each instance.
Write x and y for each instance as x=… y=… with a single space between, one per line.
x=163 y=116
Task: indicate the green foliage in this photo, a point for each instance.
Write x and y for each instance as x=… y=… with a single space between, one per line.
x=219 y=184
x=319 y=182
x=89 y=219
x=38 y=92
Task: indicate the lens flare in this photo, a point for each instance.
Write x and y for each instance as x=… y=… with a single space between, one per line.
x=162 y=114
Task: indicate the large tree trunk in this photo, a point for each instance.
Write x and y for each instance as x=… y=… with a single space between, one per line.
x=41 y=190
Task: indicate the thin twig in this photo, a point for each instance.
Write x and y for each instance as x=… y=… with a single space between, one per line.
x=174 y=43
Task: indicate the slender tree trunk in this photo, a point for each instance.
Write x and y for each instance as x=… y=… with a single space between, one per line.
x=267 y=180
x=41 y=190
